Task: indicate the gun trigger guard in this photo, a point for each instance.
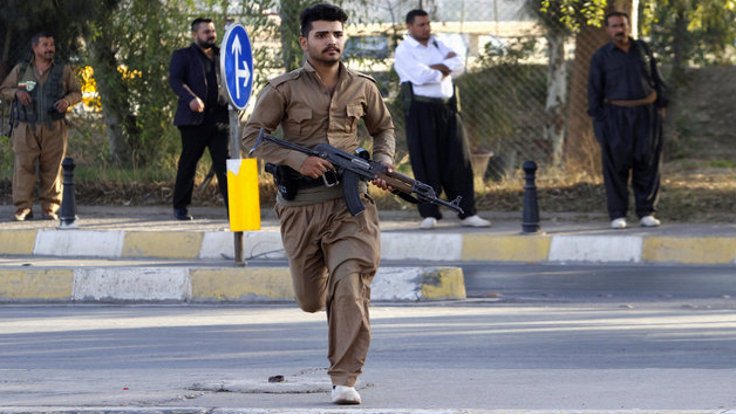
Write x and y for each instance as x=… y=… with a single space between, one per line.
x=330 y=178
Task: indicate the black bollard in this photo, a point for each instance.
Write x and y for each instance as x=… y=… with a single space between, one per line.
x=68 y=200
x=530 y=219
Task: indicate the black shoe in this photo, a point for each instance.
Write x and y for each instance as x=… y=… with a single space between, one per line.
x=182 y=214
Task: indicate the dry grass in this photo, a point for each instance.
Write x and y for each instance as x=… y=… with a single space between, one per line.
x=705 y=195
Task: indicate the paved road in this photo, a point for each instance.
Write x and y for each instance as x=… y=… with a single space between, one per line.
x=551 y=282
x=575 y=350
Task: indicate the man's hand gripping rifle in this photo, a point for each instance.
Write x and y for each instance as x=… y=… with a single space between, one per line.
x=353 y=168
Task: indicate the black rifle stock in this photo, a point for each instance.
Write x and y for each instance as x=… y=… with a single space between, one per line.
x=354 y=168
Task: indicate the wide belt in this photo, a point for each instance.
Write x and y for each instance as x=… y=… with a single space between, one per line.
x=427 y=99
x=634 y=102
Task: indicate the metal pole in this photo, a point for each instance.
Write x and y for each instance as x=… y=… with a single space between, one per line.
x=530 y=220
x=235 y=155
x=68 y=200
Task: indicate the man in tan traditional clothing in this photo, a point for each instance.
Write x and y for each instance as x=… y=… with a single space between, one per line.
x=333 y=255
x=43 y=90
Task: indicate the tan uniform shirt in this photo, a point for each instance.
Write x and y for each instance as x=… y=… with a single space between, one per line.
x=70 y=81
x=310 y=115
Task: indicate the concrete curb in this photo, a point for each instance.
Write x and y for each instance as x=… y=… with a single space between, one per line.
x=209 y=285
x=428 y=246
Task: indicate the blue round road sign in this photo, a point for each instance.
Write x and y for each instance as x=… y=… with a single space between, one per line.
x=236 y=65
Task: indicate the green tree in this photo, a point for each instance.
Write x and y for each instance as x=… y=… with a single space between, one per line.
x=22 y=19
x=688 y=32
x=584 y=19
x=130 y=46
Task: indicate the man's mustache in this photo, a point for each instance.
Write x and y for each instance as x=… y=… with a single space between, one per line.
x=331 y=48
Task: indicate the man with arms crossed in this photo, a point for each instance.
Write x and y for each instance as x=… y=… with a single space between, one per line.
x=434 y=133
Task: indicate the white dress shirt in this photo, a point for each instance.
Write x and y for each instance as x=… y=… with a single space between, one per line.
x=412 y=63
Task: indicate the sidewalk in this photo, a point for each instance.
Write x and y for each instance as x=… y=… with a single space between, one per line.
x=141 y=253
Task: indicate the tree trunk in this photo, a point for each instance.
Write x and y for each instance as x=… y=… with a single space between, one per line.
x=113 y=96
x=554 y=129
x=581 y=151
x=680 y=43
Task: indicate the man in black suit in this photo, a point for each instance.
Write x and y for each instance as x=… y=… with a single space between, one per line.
x=201 y=112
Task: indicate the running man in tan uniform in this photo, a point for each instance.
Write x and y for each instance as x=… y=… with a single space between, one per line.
x=333 y=256
x=44 y=89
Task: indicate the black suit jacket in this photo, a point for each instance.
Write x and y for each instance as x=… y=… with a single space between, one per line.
x=187 y=79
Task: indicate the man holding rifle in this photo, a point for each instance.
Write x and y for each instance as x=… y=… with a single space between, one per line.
x=333 y=255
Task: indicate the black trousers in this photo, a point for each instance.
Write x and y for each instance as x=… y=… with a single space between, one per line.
x=194 y=140
x=631 y=146
x=440 y=156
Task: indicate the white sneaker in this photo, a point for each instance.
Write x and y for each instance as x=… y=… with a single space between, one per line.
x=475 y=221
x=649 y=221
x=428 y=223
x=343 y=395
x=619 y=223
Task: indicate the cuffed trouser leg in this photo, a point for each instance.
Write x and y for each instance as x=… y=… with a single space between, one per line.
x=333 y=257
x=617 y=152
x=645 y=177
x=26 y=151
x=631 y=145
x=349 y=327
x=53 y=148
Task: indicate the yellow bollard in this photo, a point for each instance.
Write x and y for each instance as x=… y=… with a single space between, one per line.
x=242 y=189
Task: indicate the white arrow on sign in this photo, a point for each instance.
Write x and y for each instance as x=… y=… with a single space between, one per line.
x=239 y=73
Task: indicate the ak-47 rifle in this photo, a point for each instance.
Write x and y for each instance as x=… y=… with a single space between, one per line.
x=353 y=168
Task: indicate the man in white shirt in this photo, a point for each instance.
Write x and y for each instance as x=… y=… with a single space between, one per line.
x=437 y=146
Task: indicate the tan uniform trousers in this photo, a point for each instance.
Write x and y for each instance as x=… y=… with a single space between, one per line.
x=333 y=257
x=45 y=142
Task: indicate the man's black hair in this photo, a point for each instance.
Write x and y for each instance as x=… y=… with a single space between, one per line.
x=413 y=14
x=37 y=37
x=196 y=22
x=321 y=11
x=617 y=13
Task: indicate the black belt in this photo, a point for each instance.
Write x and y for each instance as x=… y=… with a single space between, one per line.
x=427 y=99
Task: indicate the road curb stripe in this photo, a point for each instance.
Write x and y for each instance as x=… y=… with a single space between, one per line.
x=162 y=244
x=36 y=284
x=88 y=243
x=443 y=283
x=247 y=285
x=238 y=284
x=690 y=250
x=19 y=242
x=434 y=247
x=596 y=249
x=131 y=284
x=516 y=248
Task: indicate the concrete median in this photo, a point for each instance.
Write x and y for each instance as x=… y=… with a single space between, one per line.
x=180 y=283
x=434 y=247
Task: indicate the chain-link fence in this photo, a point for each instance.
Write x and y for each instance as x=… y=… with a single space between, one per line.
x=523 y=94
